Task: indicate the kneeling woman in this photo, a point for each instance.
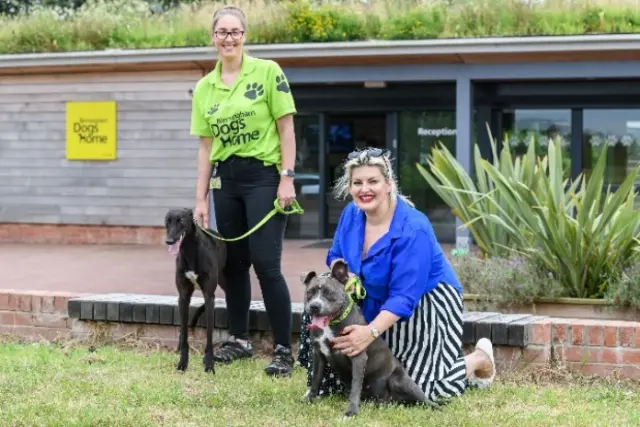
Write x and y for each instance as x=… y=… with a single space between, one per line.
x=413 y=296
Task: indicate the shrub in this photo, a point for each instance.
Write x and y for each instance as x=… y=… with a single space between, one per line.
x=174 y=23
x=325 y=23
x=505 y=281
x=625 y=292
x=419 y=23
x=467 y=196
x=16 y=7
x=584 y=235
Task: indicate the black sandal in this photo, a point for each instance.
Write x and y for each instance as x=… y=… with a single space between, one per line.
x=232 y=350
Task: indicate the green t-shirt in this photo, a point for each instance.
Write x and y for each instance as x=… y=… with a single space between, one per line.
x=242 y=119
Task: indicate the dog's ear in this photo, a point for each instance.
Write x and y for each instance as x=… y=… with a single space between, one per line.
x=306 y=276
x=340 y=272
x=190 y=212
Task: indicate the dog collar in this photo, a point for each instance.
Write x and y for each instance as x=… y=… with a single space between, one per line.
x=344 y=314
x=352 y=287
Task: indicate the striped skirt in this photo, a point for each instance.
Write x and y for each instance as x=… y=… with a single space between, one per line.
x=429 y=346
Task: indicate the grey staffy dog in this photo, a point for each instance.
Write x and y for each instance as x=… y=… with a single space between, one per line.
x=374 y=374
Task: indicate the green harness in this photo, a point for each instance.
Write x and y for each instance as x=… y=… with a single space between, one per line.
x=353 y=287
x=295 y=209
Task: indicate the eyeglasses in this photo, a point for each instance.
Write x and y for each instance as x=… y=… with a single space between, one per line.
x=234 y=34
x=371 y=152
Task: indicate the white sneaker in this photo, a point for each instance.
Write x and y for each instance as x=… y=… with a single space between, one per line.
x=486 y=347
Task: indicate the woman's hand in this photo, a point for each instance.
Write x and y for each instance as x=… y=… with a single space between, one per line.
x=354 y=339
x=286 y=192
x=201 y=212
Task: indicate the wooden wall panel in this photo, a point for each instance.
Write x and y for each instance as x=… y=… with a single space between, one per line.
x=156 y=164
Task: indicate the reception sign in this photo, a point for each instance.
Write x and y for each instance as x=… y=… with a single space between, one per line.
x=91 y=130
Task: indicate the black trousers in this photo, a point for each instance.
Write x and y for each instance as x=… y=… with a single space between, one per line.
x=246 y=194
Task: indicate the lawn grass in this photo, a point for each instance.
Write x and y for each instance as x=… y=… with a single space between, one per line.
x=53 y=385
x=132 y=24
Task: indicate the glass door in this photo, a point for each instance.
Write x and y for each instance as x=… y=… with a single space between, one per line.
x=308 y=178
x=418 y=133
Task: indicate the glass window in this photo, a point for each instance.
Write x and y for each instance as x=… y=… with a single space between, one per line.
x=521 y=126
x=620 y=131
x=307 y=181
x=345 y=133
x=418 y=132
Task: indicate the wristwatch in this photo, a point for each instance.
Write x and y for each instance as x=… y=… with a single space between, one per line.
x=288 y=172
x=374 y=332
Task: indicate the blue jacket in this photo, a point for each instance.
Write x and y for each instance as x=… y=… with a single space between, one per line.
x=400 y=268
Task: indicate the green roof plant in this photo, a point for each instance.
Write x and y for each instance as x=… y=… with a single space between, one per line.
x=72 y=25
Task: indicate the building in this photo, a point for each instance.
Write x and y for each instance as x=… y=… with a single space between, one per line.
x=403 y=95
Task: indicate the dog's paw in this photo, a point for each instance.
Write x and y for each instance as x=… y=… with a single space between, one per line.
x=436 y=405
x=209 y=367
x=352 y=410
x=207 y=361
x=182 y=365
x=309 y=397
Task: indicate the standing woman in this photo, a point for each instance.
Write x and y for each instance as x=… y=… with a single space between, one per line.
x=243 y=113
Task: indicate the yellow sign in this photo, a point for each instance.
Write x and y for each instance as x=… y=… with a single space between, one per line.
x=91 y=130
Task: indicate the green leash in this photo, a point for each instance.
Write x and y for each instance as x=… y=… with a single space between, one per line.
x=353 y=288
x=295 y=209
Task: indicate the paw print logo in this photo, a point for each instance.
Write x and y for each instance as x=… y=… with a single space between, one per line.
x=213 y=110
x=282 y=84
x=254 y=91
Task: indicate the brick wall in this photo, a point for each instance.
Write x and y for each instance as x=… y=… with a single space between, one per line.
x=594 y=347
x=80 y=234
x=35 y=314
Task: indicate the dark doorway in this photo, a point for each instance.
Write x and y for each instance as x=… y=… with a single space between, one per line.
x=307 y=181
x=345 y=133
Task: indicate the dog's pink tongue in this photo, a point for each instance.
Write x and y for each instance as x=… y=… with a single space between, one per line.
x=175 y=248
x=319 y=322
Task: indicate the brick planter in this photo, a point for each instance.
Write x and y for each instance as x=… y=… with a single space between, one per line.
x=598 y=347
x=581 y=308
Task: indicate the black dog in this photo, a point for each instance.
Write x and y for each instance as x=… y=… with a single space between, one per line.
x=374 y=374
x=200 y=262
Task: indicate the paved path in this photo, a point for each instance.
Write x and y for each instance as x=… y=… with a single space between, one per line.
x=132 y=269
x=126 y=268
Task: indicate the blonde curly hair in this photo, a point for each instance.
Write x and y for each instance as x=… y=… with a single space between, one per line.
x=368 y=157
